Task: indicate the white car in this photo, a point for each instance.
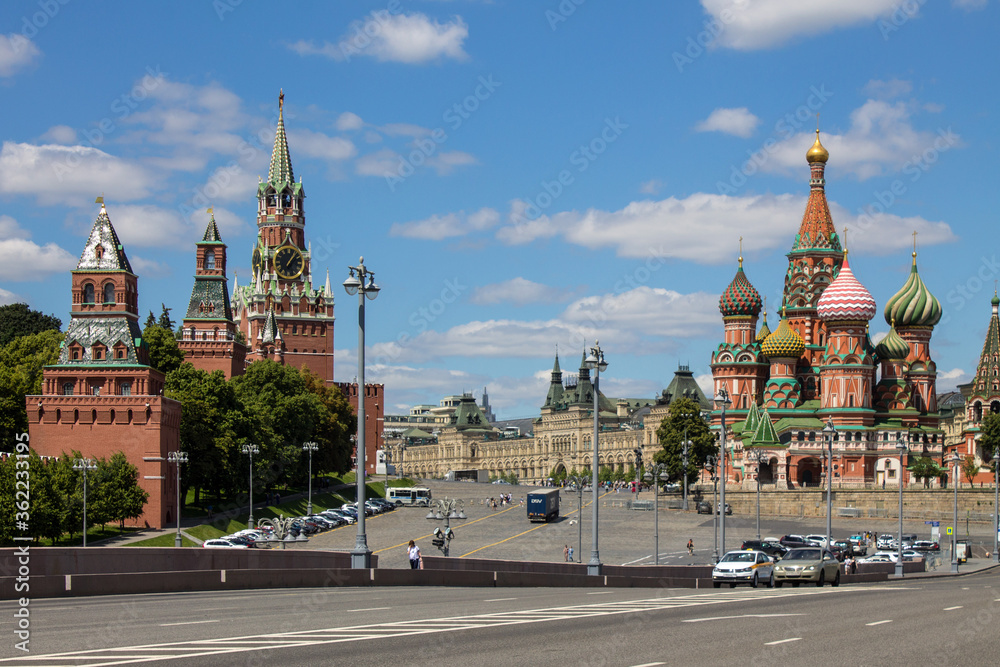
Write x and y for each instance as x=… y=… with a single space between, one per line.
x=222 y=544
x=816 y=540
x=744 y=567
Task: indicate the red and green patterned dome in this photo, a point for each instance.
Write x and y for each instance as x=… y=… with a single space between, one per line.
x=785 y=342
x=892 y=346
x=740 y=298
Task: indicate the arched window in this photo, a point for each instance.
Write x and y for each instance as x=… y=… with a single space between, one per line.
x=210 y=259
x=88 y=293
x=109 y=293
x=67 y=389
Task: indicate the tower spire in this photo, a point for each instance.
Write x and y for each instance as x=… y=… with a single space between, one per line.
x=281 y=163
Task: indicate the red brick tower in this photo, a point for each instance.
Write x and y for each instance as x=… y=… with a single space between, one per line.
x=209 y=339
x=737 y=364
x=103 y=397
x=285 y=315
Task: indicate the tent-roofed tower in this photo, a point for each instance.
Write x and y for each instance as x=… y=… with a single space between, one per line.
x=984 y=396
x=209 y=338
x=102 y=397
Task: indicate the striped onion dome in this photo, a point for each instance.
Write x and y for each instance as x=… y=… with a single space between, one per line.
x=913 y=305
x=892 y=346
x=740 y=298
x=764 y=332
x=784 y=342
x=846 y=298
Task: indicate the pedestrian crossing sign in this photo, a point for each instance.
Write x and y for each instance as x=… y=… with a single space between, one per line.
x=949 y=531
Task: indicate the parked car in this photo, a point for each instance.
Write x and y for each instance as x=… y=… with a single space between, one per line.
x=219 y=543
x=816 y=540
x=848 y=547
x=772 y=549
x=704 y=507
x=926 y=545
x=838 y=553
x=808 y=564
x=860 y=544
x=794 y=541
x=729 y=509
x=343 y=515
x=744 y=567
x=884 y=541
x=245 y=540
x=878 y=558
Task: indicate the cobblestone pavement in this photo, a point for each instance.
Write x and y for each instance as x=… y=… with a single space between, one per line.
x=626 y=536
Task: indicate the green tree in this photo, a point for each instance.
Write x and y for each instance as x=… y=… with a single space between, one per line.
x=969 y=467
x=16 y=320
x=150 y=321
x=684 y=413
x=165 y=320
x=989 y=437
x=7 y=507
x=48 y=507
x=334 y=427
x=213 y=424
x=926 y=468
x=21 y=364
x=119 y=484
x=164 y=354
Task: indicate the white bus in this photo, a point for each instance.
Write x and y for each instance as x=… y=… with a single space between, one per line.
x=418 y=496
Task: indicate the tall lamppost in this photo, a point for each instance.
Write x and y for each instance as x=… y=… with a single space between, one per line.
x=830 y=431
x=684 y=454
x=996 y=512
x=578 y=481
x=595 y=361
x=84 y=465
x=178 y=458
x=445 y=509
x=711 y=463
x=955 y=460
x=758 y=457
x=361 y=281
x=722 y=402
x=901 y=449
x=655 y=474
x=310 y=447
x=250 y=450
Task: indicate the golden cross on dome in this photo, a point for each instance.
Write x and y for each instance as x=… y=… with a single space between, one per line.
x=914 y=240
x=741 y=252
x=281 y=98
x=817 y=122
x=845 y=239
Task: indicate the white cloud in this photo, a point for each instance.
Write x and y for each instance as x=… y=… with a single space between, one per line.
x=881 y=139
x=149 y=268
x=649 y=312
x=403 y=38
x=707 y=383
x=380 y=163
x=24 y=260
x=970 y=5
x=444 y=163
x=703 y=227
x=764 y=24
x=319 y=145
x=737 y=121
x=438 y=227
x=349 y=121
x=16 y=53
x=145 y=225
x=70 y=174
x=886 y=90
x=651 y=187
x=519 y=291
x=7 y=298
x=949 y=380
x=60 y=134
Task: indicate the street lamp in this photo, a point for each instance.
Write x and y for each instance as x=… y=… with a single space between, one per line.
x=595 y=361
x=996 y=512
x=84 y=465
x=830 y=431
x=250 y=450
x=722 y=402
x=710 y=465
x=445 y=509
x=687 y=445
x=178 y=458
x=901 y=449
x=955 y=459
x=757 y=456
x=310 y=447
x=656 y=473
x=578 y=481
x=361 y=281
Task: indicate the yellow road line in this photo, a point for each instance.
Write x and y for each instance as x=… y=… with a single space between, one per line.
x=431 y=534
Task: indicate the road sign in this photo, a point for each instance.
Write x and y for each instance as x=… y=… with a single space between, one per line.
x=933 y=523
x=949 y=531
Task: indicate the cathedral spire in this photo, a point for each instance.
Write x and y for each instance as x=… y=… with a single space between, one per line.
x=212 y=231
x=281 y=163
x=817 y=230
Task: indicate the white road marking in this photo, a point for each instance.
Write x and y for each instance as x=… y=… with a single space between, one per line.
x=369 y=609
x=783 y=641
x=650 y=664
x=952 y=608
x=601 y=593
x=724 y=618
x=879 y=622
x=499 y=599
x=166 y=625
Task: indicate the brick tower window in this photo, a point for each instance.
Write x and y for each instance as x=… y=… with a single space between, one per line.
x=88 y=293
x=109 y=293
x=67 y=389
x=125 y=389
x=210 y=259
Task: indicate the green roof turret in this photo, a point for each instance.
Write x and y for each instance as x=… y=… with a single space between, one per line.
x=913 y=305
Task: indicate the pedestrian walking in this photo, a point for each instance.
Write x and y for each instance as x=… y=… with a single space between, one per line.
x=413 y=553
x=570 y=554
x=566 y=552
x=690 y=547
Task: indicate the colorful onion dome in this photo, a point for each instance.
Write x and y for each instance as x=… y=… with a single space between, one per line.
x=892 y=346
x=913 y=305
x=740 y=298
x=846 y=298
x=764 y=332
x=784 y=342
x=817 y=153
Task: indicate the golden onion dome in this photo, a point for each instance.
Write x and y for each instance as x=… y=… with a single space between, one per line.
x=784 y=342
x=817 y=153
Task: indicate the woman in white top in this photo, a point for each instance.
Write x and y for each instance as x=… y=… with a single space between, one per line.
x=413 y=552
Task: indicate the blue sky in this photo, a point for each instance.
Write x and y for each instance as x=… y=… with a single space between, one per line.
x=519 y=175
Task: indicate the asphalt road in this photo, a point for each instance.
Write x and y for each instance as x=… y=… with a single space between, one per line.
x=626 y=536
x=940 y=621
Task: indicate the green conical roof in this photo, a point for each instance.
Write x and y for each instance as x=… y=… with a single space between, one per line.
x=991 y=346
x=212 y=232
x=764 y=332
x=753 y=418
x=765 y=435
x=913 y=305
x=281 y=164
